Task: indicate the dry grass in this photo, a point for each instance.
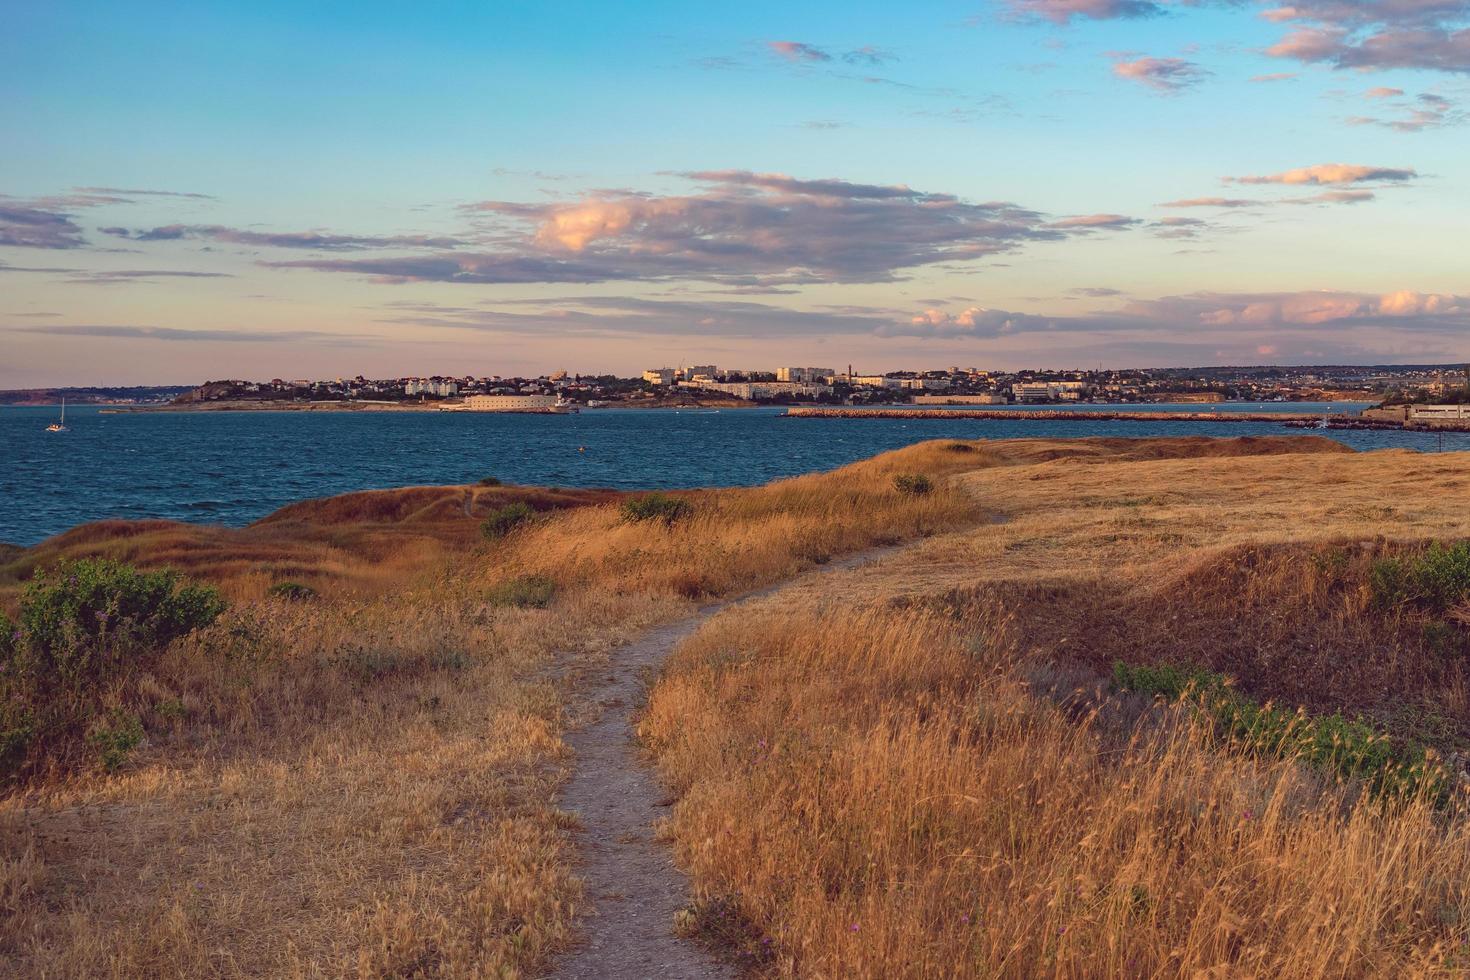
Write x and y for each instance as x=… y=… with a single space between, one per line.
x=886 y=771
x=887 y=799
x=915 y=769
x=363 y=784
x=371 y=542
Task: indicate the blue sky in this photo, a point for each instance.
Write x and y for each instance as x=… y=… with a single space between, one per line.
x=517 y=187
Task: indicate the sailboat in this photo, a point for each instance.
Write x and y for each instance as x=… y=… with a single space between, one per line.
x=61 y=425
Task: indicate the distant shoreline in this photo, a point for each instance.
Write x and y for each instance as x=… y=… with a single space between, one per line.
x=450 y=408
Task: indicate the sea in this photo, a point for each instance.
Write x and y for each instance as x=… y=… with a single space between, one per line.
x=232 y=468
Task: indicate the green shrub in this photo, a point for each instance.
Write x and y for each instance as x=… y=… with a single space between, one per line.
x=83 y=620
x=1437 y=579
x=913 y=484
x=116 y=740
x=503 y=520
x=82 y=625
x=960 y=447
x=291 y=591
x=490 y=481
x=1332 y=743
x=523 y=592
x=656 y=507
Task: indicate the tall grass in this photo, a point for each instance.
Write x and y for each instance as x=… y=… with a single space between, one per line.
x=363 y=784
x=885 y=797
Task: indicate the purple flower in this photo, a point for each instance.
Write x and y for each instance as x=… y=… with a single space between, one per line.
x=854 y=927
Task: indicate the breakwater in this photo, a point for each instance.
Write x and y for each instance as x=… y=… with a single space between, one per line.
x=1047 y=415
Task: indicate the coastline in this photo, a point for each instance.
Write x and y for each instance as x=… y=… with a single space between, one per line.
x=289 y=406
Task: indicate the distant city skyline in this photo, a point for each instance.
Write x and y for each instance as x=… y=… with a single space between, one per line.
x=213 y=190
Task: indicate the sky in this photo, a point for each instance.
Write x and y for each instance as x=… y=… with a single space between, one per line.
x=207 y=190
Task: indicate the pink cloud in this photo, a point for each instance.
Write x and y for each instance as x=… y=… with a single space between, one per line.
x=798 y=51
x=1161 y=74
x=1333 y=173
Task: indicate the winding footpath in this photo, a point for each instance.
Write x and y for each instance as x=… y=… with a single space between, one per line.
x=633 y=885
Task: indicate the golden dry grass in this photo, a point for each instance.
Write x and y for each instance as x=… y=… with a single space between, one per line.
x=886 y=798
x=884 y=768
x=912 y=769
x=362 y=785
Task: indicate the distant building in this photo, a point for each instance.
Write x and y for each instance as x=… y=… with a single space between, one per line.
x=805 y=374
x=1439 y=413
x=509 y=403
x=762 y=390
x=659 y=376
x=993 y=399
x=875 y=381
x=1048 y=391
x=426 y=386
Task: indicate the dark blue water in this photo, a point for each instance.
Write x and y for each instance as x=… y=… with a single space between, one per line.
x=231 y=468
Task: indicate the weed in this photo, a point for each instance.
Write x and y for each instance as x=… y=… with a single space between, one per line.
x=720 y=924
x=1347 y=747
x=490 y=481
x=913 y=484
x=116 y=739
x=292 y=591
x=1444 y=640
x=1437 y=579
x=504 y=520
x=523 y=592
x=657 y=507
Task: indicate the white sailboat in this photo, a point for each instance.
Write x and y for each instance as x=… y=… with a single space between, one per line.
x=61 y=425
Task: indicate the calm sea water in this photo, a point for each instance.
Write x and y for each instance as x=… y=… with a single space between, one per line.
x=231 y=468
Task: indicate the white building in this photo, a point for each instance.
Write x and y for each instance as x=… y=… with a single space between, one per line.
x=959 y=399
x=426 y=386
x=875 y=381
x=805 y=374
x=759 y=390
x=1047 y=391
x=1435 y=413
x=659 y=376
x=510 y=403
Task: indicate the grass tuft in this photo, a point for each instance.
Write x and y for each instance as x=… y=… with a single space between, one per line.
x=656 y=507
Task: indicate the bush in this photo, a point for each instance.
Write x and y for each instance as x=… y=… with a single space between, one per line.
x=116 y=740
x=489 y=481
x=524 y=592
x=913 y=484
x=656 y=507
x=291 y=591
x=82 y=625
x=84 y=619
x=960 y=447
x=1332 y=743
x=1438 y=578
x=503 y=520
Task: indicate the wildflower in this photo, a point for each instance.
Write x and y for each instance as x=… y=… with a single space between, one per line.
x=1250 y=814
x=854 y=927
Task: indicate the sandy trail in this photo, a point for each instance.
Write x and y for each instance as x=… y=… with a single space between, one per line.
x=633 y=885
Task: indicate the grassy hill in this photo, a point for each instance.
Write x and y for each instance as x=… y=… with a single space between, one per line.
x=931 y=765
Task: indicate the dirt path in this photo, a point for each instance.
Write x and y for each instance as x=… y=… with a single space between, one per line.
x=633 y=886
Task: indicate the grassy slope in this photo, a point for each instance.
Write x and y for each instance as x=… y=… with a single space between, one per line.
x=363 y=785
x=913 y=770
x=873 y=767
